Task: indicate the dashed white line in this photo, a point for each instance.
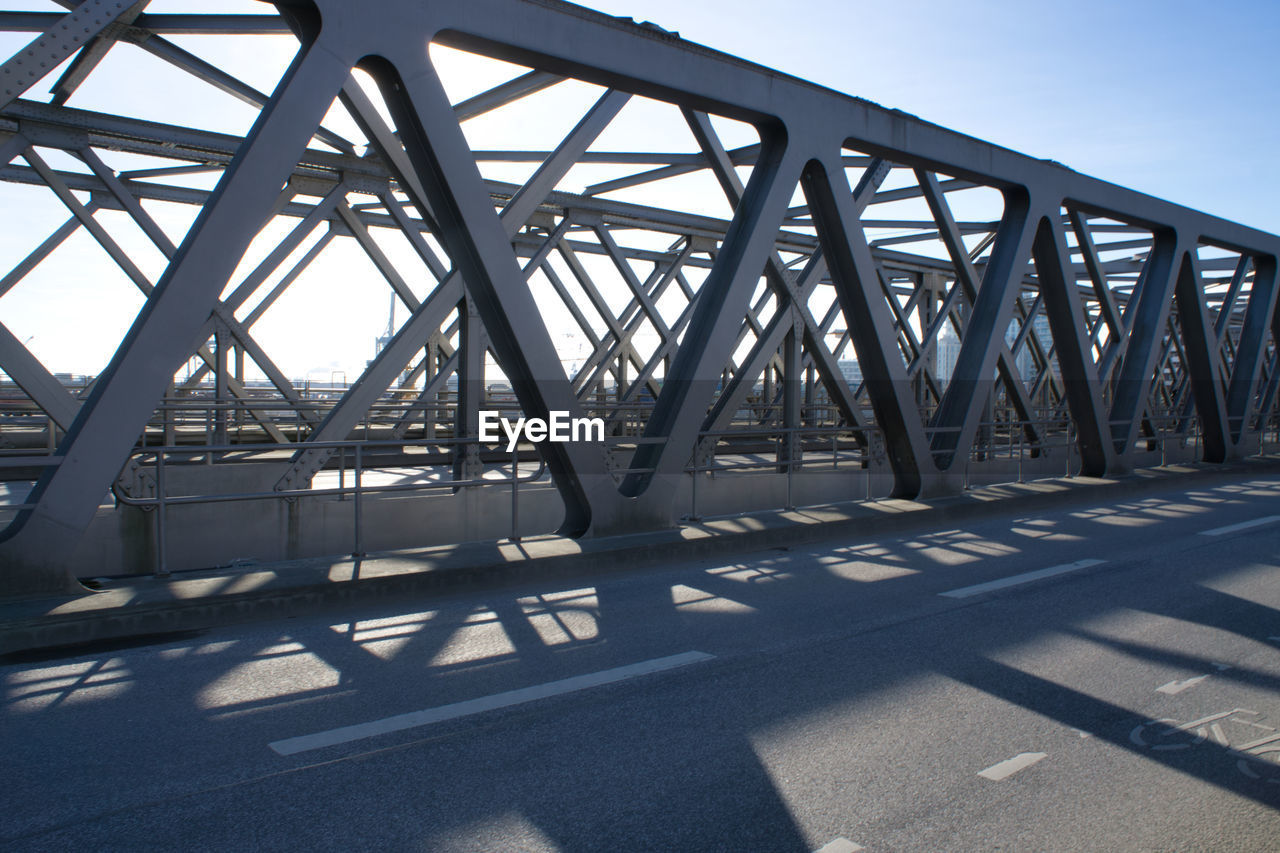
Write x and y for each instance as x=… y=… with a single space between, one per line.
x=414 y=719
x=1173 y=688
x=1025 y=577
x=839 y=845
x=1005 y=769
x=1244 y=525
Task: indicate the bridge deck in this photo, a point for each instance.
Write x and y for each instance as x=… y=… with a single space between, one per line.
x=137 y=606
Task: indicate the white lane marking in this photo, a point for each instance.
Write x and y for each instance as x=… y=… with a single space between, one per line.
x=1006 y=768
x=839 y=845
x=414 y=719
x=1244 y=525
x=1173 y=688
x=1026 y=577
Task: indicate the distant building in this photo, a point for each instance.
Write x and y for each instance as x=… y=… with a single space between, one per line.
x=948 y=352
x=1027 y=368
x=851 y=371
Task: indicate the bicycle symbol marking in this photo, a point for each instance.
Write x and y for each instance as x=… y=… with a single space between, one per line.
x=1258 y=758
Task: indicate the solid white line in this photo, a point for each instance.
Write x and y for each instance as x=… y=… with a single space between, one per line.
x=1006 y=768
x=1026 y=577
x=1173 y=688
x=1244 y=525
x=839 y=845
x=400 y=722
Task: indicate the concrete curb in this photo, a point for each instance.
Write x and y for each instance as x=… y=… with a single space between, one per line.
x=135 y=608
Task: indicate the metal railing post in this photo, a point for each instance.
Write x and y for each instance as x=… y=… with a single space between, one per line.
x=515 y=494
x=358 y=550
x=162 y=566
x=791 y=465
x=693 y=500
x=1020 y=437
x=869 y=450
x=1067 y=455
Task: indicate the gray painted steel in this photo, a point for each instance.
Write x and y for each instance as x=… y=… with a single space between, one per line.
x=1160 y=322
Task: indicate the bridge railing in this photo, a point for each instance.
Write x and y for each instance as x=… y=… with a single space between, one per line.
x=162 y=459
x=1004 y=449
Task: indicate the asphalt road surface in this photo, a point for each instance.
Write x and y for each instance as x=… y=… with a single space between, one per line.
x=1102 y=677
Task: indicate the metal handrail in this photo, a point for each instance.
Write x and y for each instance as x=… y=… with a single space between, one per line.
x=161 y=501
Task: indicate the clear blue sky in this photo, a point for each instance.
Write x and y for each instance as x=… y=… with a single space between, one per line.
x=1175 y=98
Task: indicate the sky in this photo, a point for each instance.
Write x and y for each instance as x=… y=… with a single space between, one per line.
x=1176 y=99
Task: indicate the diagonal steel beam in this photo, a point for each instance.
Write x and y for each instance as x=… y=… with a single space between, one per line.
x=36 y=381
x=71 y=32
x=613 y=327
x=505 y=93
x=724 y=297
x=604 y=356
x=431 y=313
x=479 y=241
x=1246 y=374
x=967 y=278
x=164 y=49
x=1202 y=359
x=99 y=441
x=1150 y=316
x=775 y=271
x=222 y=312
x=1069 y=327
x=44 y=250
x=983 y=350
x=854 y=274
x=93 y=53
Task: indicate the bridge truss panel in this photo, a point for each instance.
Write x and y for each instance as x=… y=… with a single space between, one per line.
x=597 y=218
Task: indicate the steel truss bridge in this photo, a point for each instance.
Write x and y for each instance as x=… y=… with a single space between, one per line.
x=771 y=292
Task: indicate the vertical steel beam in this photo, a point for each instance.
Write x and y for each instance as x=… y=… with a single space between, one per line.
x=472 y=349
x=792 y=393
